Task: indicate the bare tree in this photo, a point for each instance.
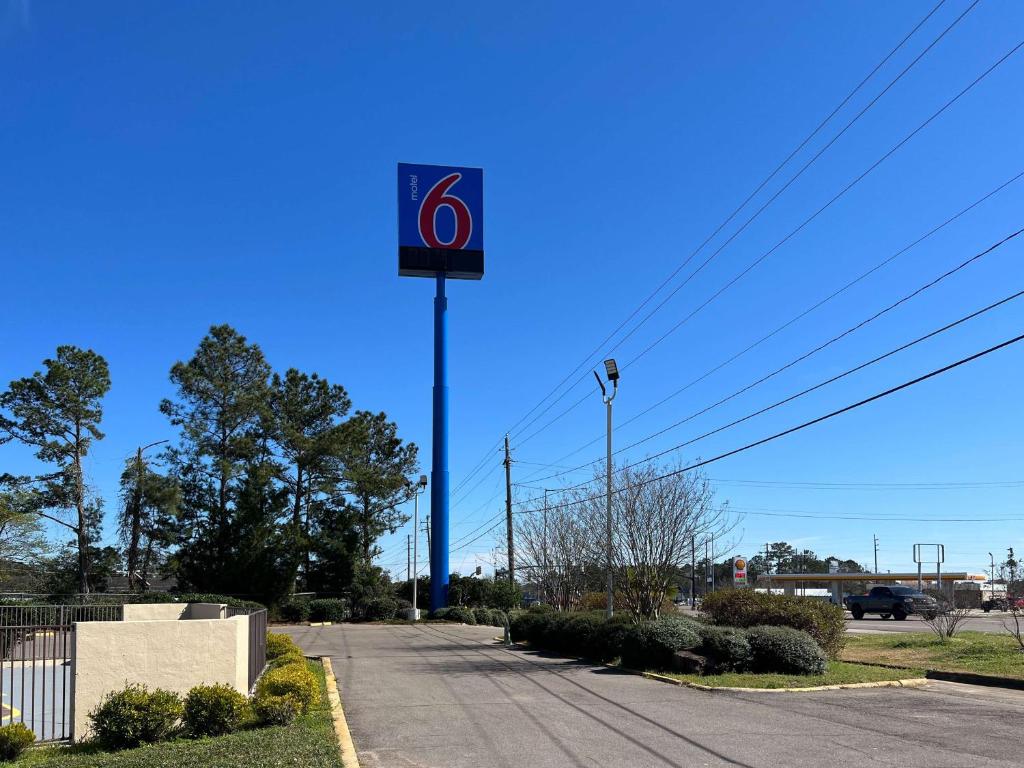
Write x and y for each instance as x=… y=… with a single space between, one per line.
x=657 y=512
x=1015 y=624
x=946 y=621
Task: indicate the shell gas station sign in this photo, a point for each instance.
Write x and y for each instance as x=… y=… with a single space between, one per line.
x=739 y=571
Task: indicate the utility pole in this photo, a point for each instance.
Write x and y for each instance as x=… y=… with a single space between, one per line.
x=712 y=562
x=544 y=581
x=992 y=577
x=508 y=514
x=768 y=565
x=693 y=571
x=876 y=552
x=612 y=371
x=408 y=557
x=426 y=526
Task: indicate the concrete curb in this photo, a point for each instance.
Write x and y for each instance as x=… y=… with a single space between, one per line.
x=348 y=749
x=908 y=683
x=967 y=678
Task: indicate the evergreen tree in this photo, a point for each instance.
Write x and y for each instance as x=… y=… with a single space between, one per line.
x=149 y=501
x=58 y=413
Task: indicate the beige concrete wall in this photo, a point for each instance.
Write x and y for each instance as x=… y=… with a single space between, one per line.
x=206 y=611
x=156 y=612
x=171 y=654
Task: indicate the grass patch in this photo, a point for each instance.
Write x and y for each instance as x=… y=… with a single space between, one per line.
x=308 y=742
x=976 y=652
x=838 y=673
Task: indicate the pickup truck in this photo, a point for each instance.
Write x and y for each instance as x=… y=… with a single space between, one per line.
x=898 y=602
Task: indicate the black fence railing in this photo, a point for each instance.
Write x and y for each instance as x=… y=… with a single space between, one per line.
x=257 y=639
x=35 y=664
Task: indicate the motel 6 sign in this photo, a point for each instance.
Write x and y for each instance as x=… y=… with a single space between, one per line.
x=440 y=221
x=739 y=571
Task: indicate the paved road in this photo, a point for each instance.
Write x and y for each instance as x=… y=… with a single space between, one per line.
x=438 y=696
x=979 y=622
x=36 y=691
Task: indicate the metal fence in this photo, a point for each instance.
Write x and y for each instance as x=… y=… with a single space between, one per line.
x=35 y=664
x=257 y=640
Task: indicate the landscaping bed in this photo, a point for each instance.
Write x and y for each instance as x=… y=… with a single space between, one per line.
x=837 y=673
x=309 y=742
x=977 y=653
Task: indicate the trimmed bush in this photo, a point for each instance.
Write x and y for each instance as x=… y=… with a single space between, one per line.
x=379 y=609
x=214 y=710
x=540 y=608
x=785 y=650
x=482 y=616
x=441 y=614
x=276 y=710
x=291 y=679
x=295 y=610
x=497 y=617
x=328 y=609
x=14 y=739
x=279 y=645
x=461 y=614
x=136 y=716
x=746 y=608
x=726 y=647
x=652 y=645
x=607 y=642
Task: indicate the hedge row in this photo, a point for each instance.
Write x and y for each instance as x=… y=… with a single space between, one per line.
x=746 y=608
x=489 y=617
x=654 y=644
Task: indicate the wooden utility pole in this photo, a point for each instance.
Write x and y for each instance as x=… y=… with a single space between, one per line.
x=508 y=514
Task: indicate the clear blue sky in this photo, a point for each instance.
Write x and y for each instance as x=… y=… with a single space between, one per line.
x=167 y=166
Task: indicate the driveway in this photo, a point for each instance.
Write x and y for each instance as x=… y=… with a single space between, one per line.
x=447 y=696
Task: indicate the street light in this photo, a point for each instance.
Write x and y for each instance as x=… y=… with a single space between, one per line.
x=417 y=490
x=612 y=371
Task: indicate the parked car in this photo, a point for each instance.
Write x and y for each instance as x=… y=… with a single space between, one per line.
x=995 y=604
x=897 y=602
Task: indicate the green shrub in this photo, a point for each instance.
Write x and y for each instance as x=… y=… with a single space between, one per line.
x=135 y=716
x=608 y=640
x=14 y=739
x=745 y=608
x=329 y=609
x=652 y=645
x=295 y=610
x=540 y=608
x=276 y=710
x=461 y=614
x=291 y=679
x=441 y=614
x=726 y=647
x=785 y=650
x=482 y=616
x=279 y=645
x=213 y=710
x=496 y=617
x=379 y=609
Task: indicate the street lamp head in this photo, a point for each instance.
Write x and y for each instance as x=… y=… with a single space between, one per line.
x=613 y=371
x=423 y=481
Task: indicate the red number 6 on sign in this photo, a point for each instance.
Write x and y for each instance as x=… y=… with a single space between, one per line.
x=437 y=198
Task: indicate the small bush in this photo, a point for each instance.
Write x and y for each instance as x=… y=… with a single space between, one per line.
x=276 y=710
x=726 y=647
x=135 y=716
x=785 y=650
x=482 y=616
x=540 y=608
x=497 y=617
x=379 y=609
x=461 y=614
x=607 y=642
x=214 y=710
x=291 y=679
x=328 y=609
x=14 y=739
x=295 y=610
x=441 y=614
x=279 y=645
x=652 y=645
x=745 y=608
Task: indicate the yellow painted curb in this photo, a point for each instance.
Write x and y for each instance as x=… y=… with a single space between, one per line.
x=909 y=683
x=321 y=624
x=348 y=749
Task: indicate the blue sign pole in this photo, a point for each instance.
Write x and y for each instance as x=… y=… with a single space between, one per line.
x=439 y=470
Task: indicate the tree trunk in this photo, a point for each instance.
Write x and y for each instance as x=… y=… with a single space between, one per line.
x=136 y=525
x=83 y=537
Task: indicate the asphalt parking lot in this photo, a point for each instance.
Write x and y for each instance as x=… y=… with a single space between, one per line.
x=448 y=696
x=978 y=622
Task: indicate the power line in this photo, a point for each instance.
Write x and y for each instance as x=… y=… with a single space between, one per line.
x=757 y=213
x=839 y=486
x=532 y=476
x=806 y=424
x=819 y=348
x=785 y=239
x=749 y=197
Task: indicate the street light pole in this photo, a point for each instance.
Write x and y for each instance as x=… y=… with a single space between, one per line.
x=415 y=540
x=613 y=376
x=992 y=577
